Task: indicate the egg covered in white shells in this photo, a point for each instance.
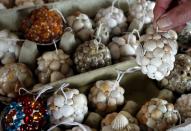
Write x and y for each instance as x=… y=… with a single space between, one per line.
x=156 y=53
x=105 y=97
x=123 y=46
x=142 y=10
x=141 y=13
x=9 y=49
x=13 y=77
x=53 y=66
x=158 y=114
x=111 y=17
x=121 y=121
x=70 y=106
x=179 y=79
x=81 y=25
x=91 y=55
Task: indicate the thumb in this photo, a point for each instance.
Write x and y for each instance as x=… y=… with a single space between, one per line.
x=175 y=17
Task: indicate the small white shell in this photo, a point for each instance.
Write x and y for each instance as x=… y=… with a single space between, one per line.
x=57 y=115
x=151 y=123
x=151 y=68
x=158 y=52
x=145 y=61
x=101 y=97
x=59 y=100
x=120 y=122
x=159 y=76
x=151 y=108
x=69 y=94
x=156 y=62
x=162 y=108
x=150 y=45
x=66 y=110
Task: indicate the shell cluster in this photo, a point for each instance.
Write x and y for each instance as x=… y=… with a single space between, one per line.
x=113 y=18
x=71 y=108
x=183 y=105
x=158 y=114
x=124 y=46
x=179 y=79
x=106 y=97
x=53 y=66
x=122 y=121
x=38 y=28
x=82 y=25
x=91 y=55
x=9 y=50
x=156 y=54
x=13 y=77
x=141 y=13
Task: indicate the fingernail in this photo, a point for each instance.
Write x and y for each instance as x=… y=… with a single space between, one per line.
x=164 y=22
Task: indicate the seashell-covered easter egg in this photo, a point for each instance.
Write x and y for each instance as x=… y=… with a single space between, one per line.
x=13 y=77
x=142 y=10
x=42 y=25
x=121 y=121
x=158 y=114
x=25 y=114
x=141 y=13
x=53 y=66
x=9 y=49
x=105 y=97
x=112 y=17
x=156 y=54
x=70 y=106
x=124 y=46
x=183 y=105
x=179 y=79
x=91 y=55
x=82 y=25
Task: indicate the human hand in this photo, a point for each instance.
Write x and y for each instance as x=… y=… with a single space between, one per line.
x=175 y=18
